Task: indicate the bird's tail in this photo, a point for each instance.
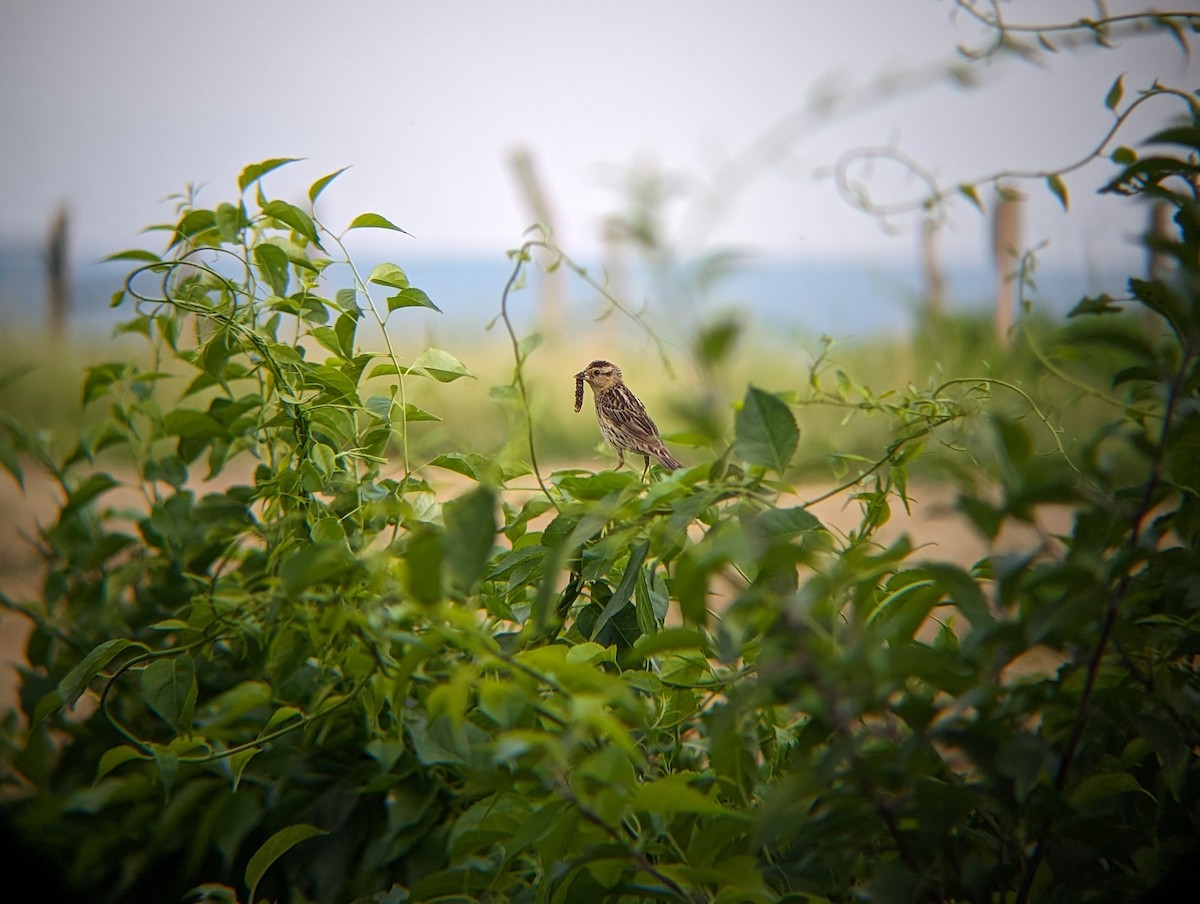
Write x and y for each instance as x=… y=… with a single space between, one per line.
x=666 y=459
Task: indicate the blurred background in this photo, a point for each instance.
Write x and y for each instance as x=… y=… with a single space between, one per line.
x=644 y=135
x=746 y=179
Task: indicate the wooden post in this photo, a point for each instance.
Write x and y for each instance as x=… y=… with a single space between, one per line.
x=1161 y=227
x=616 y=272
x=58 y=289
x=1006 y=258
x=933 y=279
x=553 y=287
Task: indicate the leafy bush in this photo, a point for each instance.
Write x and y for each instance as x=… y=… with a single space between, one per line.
x=315 y=675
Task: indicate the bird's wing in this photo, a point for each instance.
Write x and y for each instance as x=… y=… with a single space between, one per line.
x=624 y=408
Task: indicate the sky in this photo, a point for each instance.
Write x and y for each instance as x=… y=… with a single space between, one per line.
x=111 y=106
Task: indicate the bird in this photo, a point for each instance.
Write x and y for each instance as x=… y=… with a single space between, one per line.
x=623 y=420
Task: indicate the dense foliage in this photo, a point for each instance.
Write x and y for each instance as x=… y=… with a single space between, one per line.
x=275 y=659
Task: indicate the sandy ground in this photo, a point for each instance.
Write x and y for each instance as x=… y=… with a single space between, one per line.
x=934 y=526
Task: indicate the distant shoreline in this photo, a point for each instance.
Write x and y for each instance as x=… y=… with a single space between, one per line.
x=811 y=296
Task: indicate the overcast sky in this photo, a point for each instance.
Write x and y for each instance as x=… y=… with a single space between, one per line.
x=114 y=104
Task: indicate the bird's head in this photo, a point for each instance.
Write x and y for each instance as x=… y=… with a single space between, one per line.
x=600 y=375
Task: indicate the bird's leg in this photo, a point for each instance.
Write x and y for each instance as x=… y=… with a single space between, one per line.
x=646 y=470
x=620 y=460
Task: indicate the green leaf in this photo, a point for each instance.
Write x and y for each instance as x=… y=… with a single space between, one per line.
x=669 y=639
x=1100 y=304
x=1055 y=184
x=765 y=430
x=411 y=298
x=389 y=275
x=134 y=254
x=102 y=376
x=971 y=194
x=314 y=190
x=188 y=423
x=441 y=365
x=274 y=848
x=423 y=555
x=1105 y=784
x=779 y=524
x=273 y=266
x=256 y=171
x=412 y=413
x=596 y=486
x=169 y=689
x=347 y=299
x=1188 y=136
x=117 y=756
x=373 y=221
x=315 y=564
x=238 y=763
x=963 y=590
x=323 y=458
x=672 y=795
x=470 y=464
x=470 y=534
x=1159 y=298
x=624 y=591
x=1124 y=156
x=10 y=459
x=1115 y=93
x=92 y=487
x=192 y=224
x=294 y=217
x=167 y=761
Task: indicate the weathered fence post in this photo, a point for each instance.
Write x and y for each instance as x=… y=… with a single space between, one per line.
x=553 y=286
x=933 y=279
x=58 y=288
x=1161 y=227
x=1006 y=257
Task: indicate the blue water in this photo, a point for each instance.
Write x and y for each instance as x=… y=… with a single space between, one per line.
x=806 y=297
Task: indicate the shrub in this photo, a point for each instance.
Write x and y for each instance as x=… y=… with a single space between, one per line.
x=312 y=675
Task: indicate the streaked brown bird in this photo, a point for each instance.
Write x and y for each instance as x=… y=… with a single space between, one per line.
x=623 y=420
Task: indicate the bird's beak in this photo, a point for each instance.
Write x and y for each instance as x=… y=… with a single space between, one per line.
x=581 y=375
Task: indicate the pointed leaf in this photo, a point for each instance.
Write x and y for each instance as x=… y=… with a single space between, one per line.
x=971 y=194
x=133 y=254
x=117 y=756
x=470 y=465
x=373 y=221
x=87 y=491
x=274 y=848
x=766 y=431
x=963 y=590
x=169 y=689
x=294 y=217
x=1055 y=184
x=389 y=275
x=470 y=534
x=76 y=681
x=411 y=298
x=1115 y=93
x=674 y=795
x=314 y=190
x=1100 y=304
x=1124 y=156
x=412 y=413
x=441 y=365
x=1104 y=784
x=256 y=171
x=620 y=597
x=167 y=761
x=273 y=266
x=238 y=763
